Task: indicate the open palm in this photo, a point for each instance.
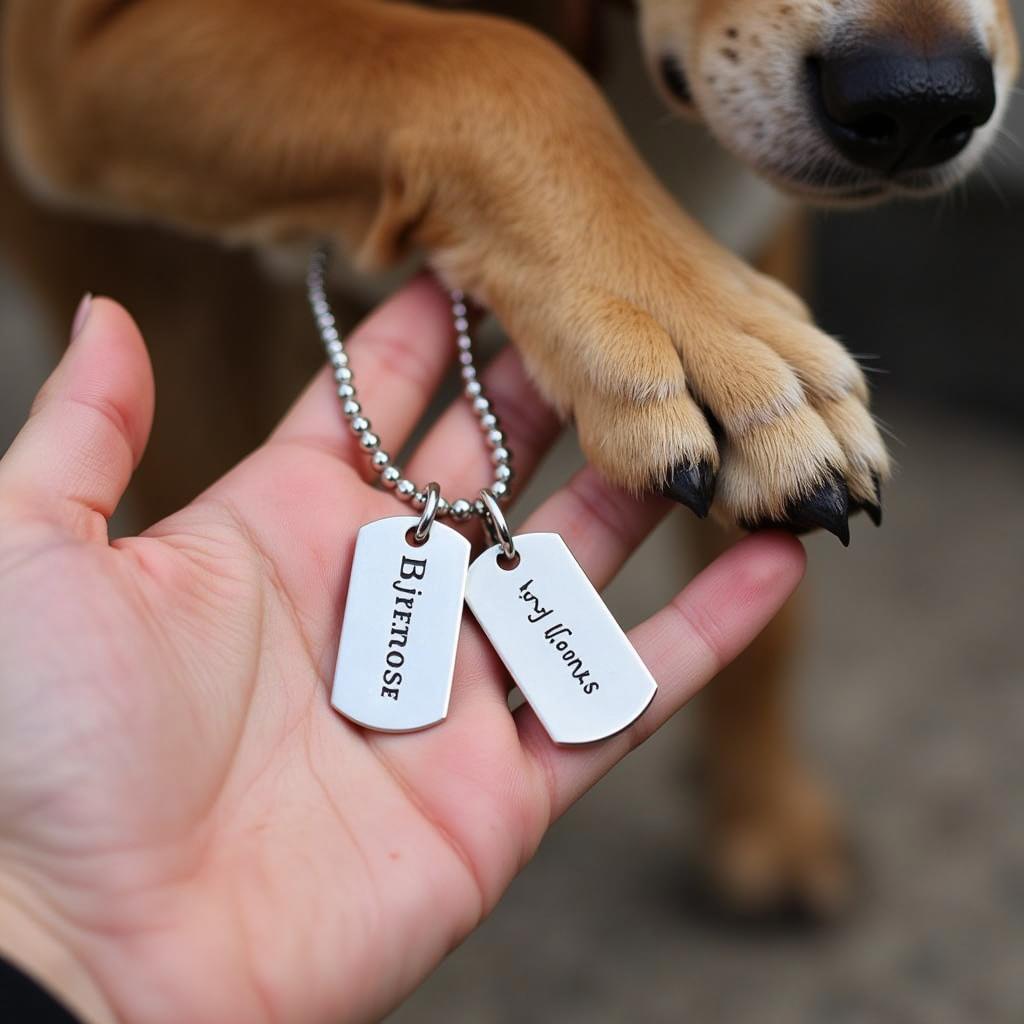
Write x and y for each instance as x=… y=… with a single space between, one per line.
x=188 y=832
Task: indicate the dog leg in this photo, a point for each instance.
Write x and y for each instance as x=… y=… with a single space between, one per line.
x=774 y=841
x=774 y=838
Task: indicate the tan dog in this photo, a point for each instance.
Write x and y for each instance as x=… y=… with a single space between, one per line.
x=390 y=126
x=393 y=127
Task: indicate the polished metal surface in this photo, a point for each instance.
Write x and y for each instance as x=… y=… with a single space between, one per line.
x=401 y=627
x=558 y=640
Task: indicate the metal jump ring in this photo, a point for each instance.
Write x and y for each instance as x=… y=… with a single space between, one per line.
x=496 y=525
x=429 y=513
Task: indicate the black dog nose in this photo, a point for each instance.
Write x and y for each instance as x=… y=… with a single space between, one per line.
x=890 y=110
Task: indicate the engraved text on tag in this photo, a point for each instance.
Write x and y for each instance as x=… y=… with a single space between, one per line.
x=401 y=627
x=559 y=641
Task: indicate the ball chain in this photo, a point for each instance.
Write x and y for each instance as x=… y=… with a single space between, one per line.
x=391 y=476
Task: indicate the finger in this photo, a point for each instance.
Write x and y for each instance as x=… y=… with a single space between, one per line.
x=88 y=427
x=601 y=525
x=455 y=451
x=398 y=356
x=684 y=645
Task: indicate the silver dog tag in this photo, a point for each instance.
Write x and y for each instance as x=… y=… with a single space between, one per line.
x=559 y=642
x=401 y=626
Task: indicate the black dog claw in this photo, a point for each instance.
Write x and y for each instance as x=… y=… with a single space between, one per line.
x=692 y=486
x=876 y=512
x=826 y=507
x=872 y=508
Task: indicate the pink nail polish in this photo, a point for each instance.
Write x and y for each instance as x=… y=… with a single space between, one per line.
x=81 y=315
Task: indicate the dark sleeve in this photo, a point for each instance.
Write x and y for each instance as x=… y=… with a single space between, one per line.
x=25 y=1001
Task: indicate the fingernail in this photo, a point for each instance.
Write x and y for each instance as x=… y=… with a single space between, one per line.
x=81 y=315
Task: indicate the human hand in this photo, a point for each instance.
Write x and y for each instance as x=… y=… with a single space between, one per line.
x=188 y=832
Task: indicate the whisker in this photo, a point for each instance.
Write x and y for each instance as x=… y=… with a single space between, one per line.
x=892 y=438
x=994 y=185
x=1004 y=133
x=886 y=429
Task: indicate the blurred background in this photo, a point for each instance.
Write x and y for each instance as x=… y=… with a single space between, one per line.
x=911 y=678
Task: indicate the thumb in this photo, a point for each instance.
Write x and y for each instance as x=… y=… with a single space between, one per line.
x=88 y=426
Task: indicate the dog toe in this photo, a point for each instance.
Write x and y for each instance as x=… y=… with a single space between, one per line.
x=663 y=445
x=867 y=461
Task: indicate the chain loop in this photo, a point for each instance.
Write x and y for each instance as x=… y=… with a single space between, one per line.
x=496 y=526
x=422 y=531
x=391 y=475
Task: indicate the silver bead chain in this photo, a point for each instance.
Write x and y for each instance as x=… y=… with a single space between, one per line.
x=391 y=475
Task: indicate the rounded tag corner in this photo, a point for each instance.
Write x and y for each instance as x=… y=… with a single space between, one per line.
x=580 y=740
x=393 y=727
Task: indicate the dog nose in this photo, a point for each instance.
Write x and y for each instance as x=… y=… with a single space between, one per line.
x=889 y=110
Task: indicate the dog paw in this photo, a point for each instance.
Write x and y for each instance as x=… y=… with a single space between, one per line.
x=715 y=388
x=781 y=853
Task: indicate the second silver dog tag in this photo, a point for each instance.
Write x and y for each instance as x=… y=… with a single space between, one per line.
x=558 y=640
x=401 y=627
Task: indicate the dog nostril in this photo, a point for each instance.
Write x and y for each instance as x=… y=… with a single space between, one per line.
x=876 y=128
x=891 y=110
x=960 y=128
x=674 y=77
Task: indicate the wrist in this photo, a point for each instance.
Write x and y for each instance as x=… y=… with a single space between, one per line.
x=35 y=942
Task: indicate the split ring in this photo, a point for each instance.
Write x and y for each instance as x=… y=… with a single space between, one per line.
x=430 y=506
x=496 y=525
